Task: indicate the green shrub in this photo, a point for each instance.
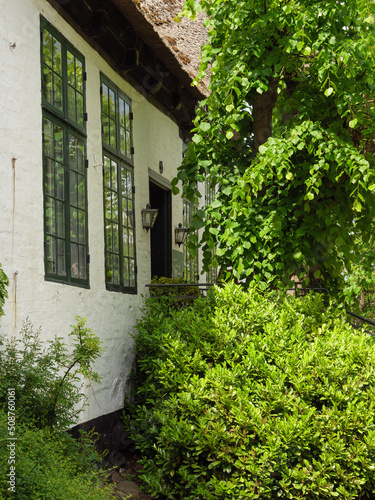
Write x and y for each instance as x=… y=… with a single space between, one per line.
x=39 y=394
x=254 y=396
x=45 y=377
x=49 y=465
x=4 y=282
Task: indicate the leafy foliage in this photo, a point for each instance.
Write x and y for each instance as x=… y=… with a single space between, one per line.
x=287 y=135
x=4 y=282
x=50 y=464
x=359 y=289
x=46 y=379
x=252 y=395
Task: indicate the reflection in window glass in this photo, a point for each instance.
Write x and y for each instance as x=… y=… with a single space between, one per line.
x=65 y=192
x=119 y=224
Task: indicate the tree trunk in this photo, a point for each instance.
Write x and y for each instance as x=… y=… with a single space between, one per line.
x=263 y=105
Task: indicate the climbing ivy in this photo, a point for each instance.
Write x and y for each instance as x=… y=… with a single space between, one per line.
x=287 y=136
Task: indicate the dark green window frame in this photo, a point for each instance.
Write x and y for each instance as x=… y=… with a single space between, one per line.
x=118 y=189
x=64 y=160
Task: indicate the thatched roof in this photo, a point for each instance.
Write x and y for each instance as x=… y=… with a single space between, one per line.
x=177 y=44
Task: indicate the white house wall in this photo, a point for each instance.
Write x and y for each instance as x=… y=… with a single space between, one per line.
x=53 y=306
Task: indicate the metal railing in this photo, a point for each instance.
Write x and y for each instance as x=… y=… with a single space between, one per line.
x=301 y=291
x=202 y=289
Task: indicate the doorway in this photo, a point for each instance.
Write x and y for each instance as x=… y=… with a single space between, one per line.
x=161 y=233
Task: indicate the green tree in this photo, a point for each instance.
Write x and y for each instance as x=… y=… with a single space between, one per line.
x=287 y=136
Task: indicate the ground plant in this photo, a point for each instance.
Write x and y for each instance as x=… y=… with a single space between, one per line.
x=252 y=395
x=45 y=376
x=50 y=464
x=40 y=398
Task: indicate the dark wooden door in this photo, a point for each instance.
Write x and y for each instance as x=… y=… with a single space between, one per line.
x=161 y=233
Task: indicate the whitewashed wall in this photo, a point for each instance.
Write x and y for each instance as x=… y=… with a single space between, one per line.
x=53 y=306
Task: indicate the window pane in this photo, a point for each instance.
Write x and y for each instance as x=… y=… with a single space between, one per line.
x=52 y=69
x=114 y=175
x=73 y=189
x=47 y=85
x=75 y=88
x=58 y=151
x=80 y=156
x=125 y=272
x=125 y=243
x=79 y=76
x=130 y=214
x=47 y=66
x=107 y=204
x=107 y=171
x=112 y=105
x=74 y=225
x=79 y=100
x=116 y=269
x=81 y=191
x=47 y=48
x=57 y=91
x=73 y=152
x=127 y=116
x=56 y=47
x=115 y=241
x=60 y=258
x=108 y=236
x=109 y=273
x=70 y=69
x=131 y=243
x=105 y=99
x=48 y=138
x=60 y=219
x=115 y=213
x=128 y=146
x=82 y=262
x=125 y=182
x=122 y=141
x=81 y=226
x=49 y=182
x=125 y=215
x=51 y=254
x=59 y=180
x=122 y=112
x=71 y=103
x=106 y=131
x=112 y=133
x=50 y=216
x=131 y=272
x=74 y=260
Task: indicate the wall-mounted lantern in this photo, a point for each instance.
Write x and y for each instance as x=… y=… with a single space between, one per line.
x=148 y=217
x=180 y=234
